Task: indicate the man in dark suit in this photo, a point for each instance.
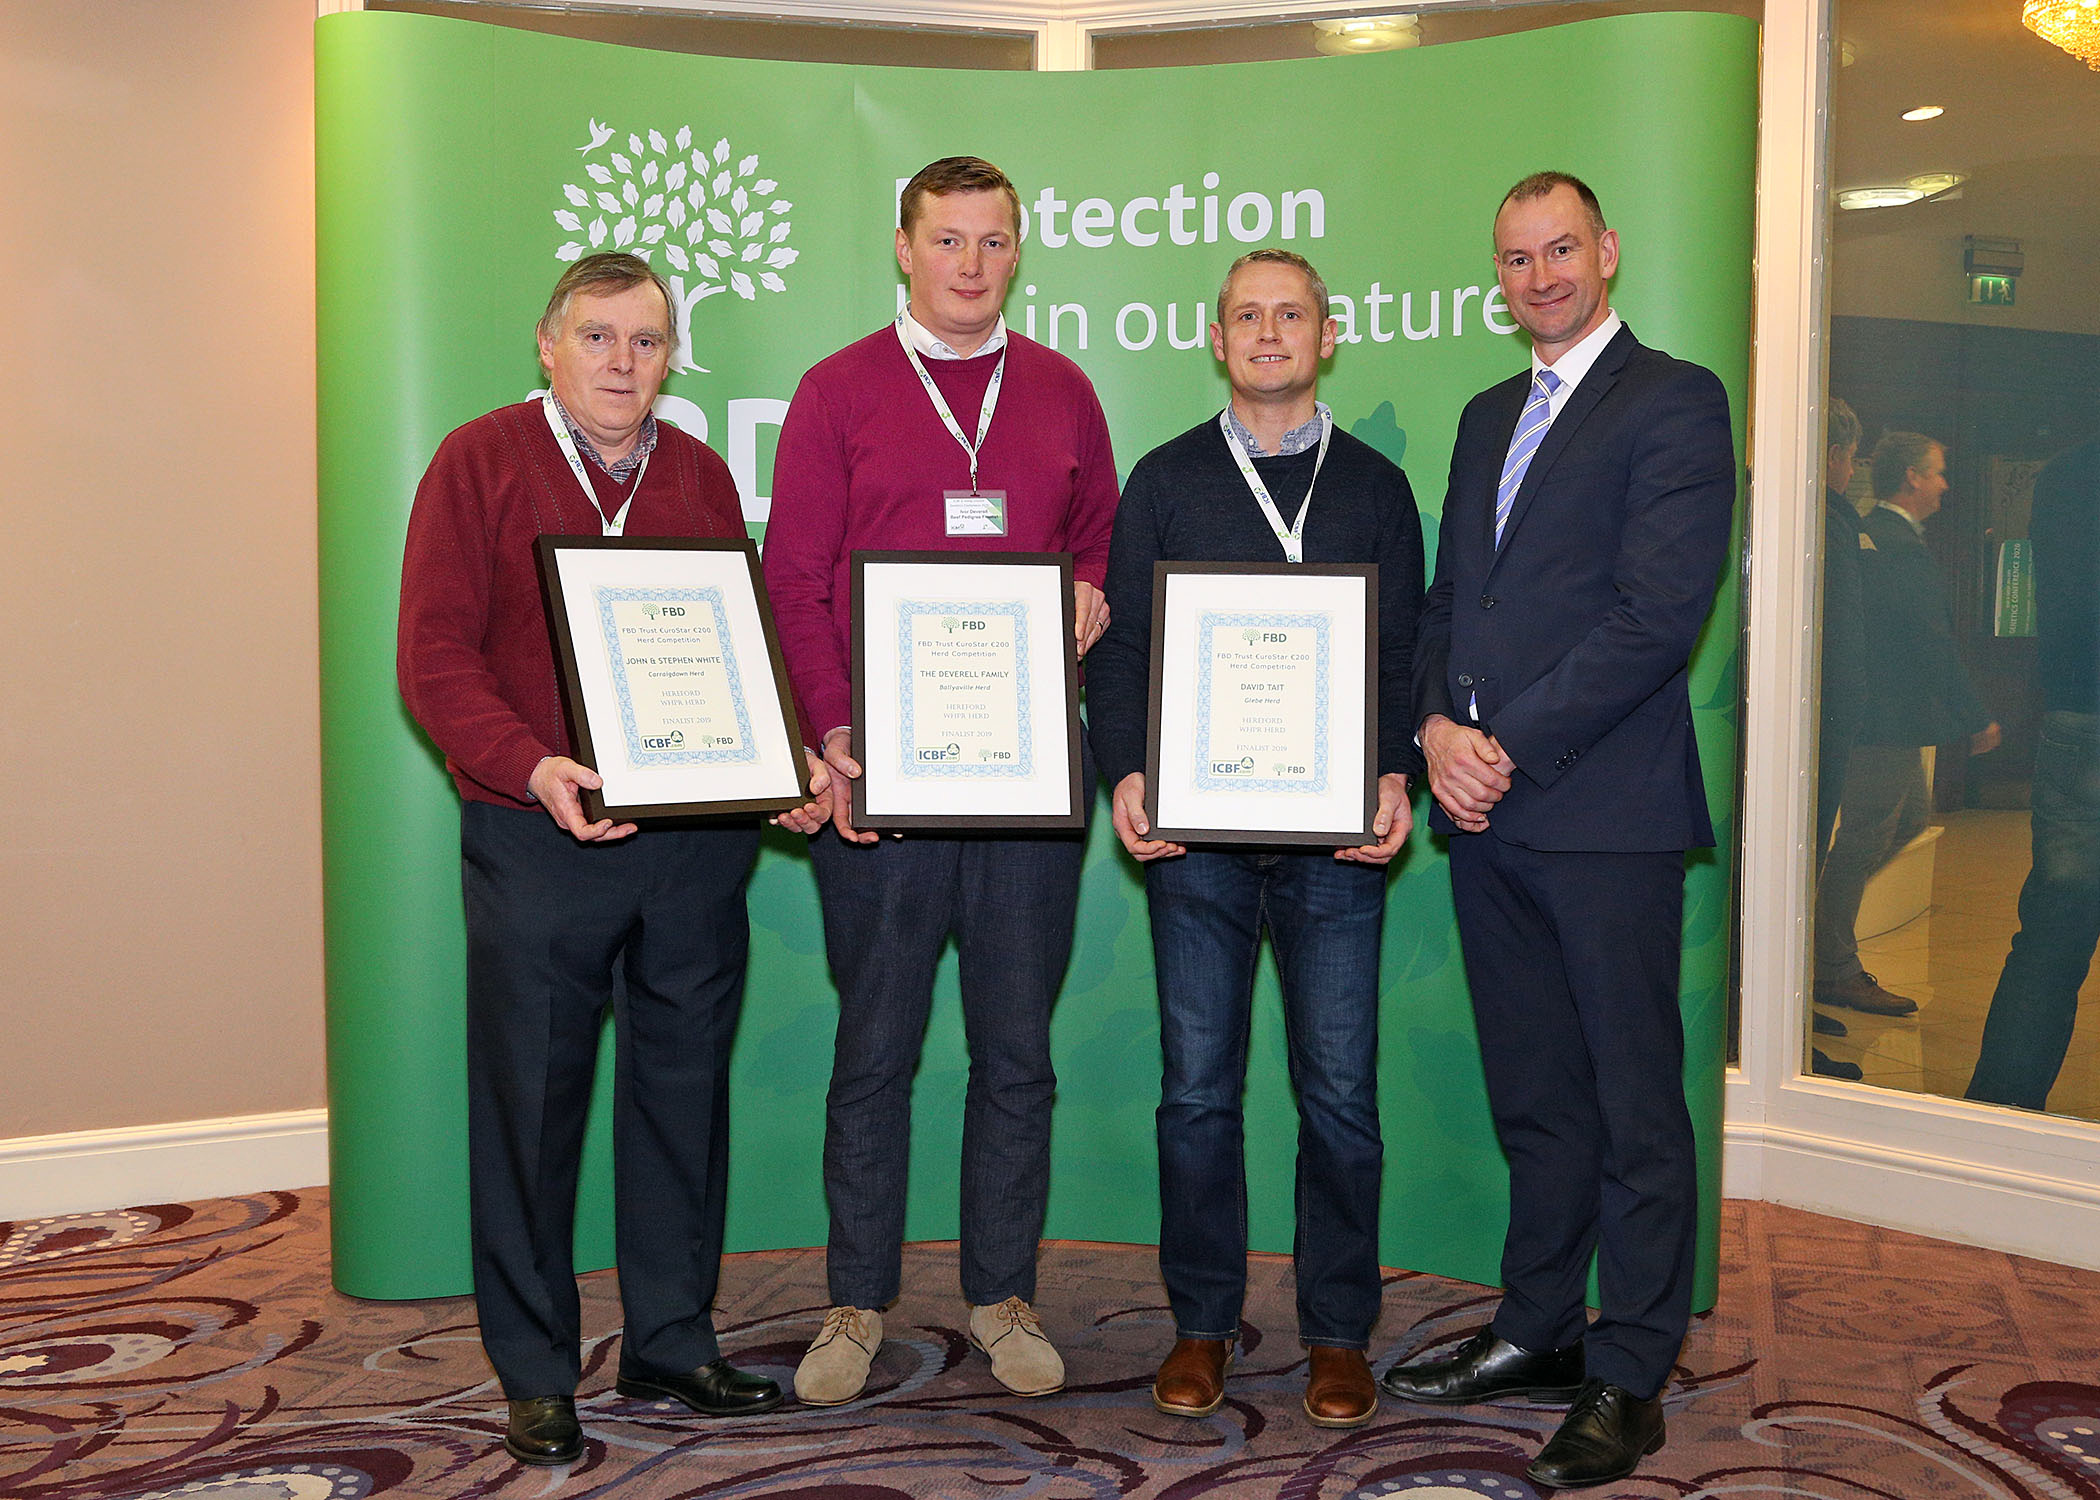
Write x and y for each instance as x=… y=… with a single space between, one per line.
x=1585 y=529
x=1914 y=694
x=1844 y=657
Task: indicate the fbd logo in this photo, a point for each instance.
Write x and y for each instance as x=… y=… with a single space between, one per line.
x=719 y=226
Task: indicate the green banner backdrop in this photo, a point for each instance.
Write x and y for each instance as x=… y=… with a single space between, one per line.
x=461 y=164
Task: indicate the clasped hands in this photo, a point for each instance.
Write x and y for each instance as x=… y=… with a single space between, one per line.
x=1469 y=770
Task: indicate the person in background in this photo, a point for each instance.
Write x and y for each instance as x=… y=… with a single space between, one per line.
x=2035 y=1007
x=1915 y=693
x=1844 y=658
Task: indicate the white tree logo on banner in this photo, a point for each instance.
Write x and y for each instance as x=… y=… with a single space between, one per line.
x=720 y=227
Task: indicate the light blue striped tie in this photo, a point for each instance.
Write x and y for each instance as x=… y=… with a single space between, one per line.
x=1531 y=431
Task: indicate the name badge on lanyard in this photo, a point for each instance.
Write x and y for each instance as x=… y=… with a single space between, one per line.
x=613 y=525
x=975 y=511
x=1291 y=538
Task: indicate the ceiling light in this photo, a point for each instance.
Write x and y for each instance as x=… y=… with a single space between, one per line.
x=2073 y=25
x=1339 y=38
x=1932 y=184
x=1924 y=112
x=1878 y=197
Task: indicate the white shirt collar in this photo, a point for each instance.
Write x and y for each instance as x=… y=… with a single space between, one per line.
x=1915 y=524
x=930 y=346
x=1575 y=363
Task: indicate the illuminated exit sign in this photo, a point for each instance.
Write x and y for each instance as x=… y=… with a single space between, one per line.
x=1991 y=291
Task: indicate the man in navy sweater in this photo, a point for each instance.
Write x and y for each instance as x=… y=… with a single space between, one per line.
x=1220 y=493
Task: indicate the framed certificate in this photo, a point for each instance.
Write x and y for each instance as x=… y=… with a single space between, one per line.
x=671 y=675
x=1263 y=726
x=965 y=691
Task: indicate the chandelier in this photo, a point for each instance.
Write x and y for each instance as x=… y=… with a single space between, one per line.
x=2073 y=25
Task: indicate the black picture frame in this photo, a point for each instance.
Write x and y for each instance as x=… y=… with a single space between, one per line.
x=1167 y=808
x=776 y=728
x=1059 y=722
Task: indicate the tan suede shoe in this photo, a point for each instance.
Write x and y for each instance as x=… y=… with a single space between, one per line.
x=1023 y=1360
x=835 y=1370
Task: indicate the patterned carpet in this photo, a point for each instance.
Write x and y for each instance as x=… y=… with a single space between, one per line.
x=198 y=1351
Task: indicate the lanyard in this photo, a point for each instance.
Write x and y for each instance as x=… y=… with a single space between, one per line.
x=1293 y=539
x=618 y=523
x=940 y=403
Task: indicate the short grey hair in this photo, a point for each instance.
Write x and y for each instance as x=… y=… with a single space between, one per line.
x=1895 y=456
x=605 y=274
x=1275 y=257
x=1842 y=426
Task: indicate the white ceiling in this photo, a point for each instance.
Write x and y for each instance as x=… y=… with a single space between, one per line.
x=2022 y=121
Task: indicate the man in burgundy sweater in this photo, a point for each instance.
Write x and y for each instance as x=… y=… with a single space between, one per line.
x=559 y=907
x=942 y=431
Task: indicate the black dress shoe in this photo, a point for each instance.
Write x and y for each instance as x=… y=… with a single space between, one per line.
x=716 y=1390
x=1606 y=1434
x=1822 y=1062
x=543 y=1431
x=1827 y=1025
x=1484 y=1367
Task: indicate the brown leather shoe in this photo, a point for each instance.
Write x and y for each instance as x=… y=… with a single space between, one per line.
x=1338 y=1388
x=1191 y=1380
x=1863 y=992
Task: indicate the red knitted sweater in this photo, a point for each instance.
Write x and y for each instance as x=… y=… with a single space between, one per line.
x=475 y=657
x=862 y=462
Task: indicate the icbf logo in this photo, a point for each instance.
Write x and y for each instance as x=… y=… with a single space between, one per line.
x=719 y=226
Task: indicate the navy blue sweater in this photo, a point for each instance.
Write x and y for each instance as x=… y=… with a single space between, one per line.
x=1186 y=501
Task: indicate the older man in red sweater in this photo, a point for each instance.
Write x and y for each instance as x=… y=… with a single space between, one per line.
x=557 y=906
x=943 y=430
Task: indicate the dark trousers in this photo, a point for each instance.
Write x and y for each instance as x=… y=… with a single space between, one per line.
x=557 y=931
x=1833 y=757
x=889 y=908
x=2035 y=1008
x=1573 y=960
x=1324 y=917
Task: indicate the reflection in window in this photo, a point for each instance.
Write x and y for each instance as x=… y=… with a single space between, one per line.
x=1958 y=757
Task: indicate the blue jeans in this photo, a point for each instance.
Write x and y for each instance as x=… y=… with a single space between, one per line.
x=2036 y=1004
x=888 y=910
x=1324 y=918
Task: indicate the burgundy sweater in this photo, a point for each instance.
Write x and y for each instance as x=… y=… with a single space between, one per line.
x=863 y=459
x=475 y=656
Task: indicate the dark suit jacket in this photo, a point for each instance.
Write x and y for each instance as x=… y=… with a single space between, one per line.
x=1918 y=693
x=1844 y=621
x=2066 y=533
x=1575 y=634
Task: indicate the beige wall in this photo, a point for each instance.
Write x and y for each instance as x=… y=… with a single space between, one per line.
x=1917 y=273
x=160 y=884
